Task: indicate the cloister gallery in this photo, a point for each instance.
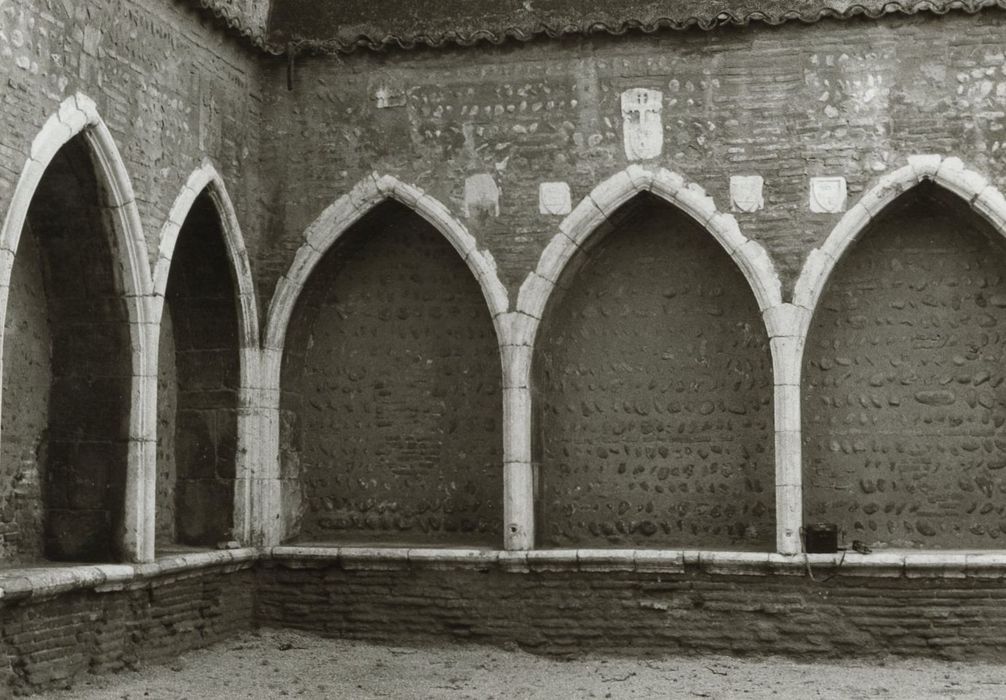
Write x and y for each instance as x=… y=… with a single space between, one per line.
x=511 y=322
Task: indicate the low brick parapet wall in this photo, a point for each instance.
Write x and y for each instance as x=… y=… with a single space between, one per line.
x=62 y=622
x=945 y=605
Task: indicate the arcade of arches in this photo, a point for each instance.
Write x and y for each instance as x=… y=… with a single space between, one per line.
x=301 y=285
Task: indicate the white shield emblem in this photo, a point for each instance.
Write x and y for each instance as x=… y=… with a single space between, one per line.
x=746 y=193
x=827 y=195
x=554 y=198
x=482 y=196
x=641 y=126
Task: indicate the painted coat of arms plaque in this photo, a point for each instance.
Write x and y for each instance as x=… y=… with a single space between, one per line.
x=641 y=123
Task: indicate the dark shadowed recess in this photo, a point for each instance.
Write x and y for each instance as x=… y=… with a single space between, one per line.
x=903 y=395
x=83 y=453
x=391 y=405
x=203 y=308
x=653 y=394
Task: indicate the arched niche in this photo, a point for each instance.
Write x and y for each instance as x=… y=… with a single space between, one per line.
x=652 y=381
x=199 y=379
x=68 y=370
x=391 y=402
x=903 y=391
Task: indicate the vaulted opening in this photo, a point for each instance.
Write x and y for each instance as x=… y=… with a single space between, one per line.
x=67 y=374
x=391 y=403
x=199 y=377
x=653 y=394
x=903 y=392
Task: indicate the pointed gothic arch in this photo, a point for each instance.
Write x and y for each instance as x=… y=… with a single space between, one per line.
x=335 y=220
x=951 y=174
x=596 y=215
x=205 y=181
x=868 y=333
x=78 y=116
x=206 y=178
x=591 y=217
x=329 y=227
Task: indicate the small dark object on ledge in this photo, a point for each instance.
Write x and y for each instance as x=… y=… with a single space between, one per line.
x=821 y=538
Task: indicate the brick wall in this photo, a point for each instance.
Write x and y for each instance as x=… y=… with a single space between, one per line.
x=558 y=602
x=56 y=641
x=903 y=391
x=392 y=395
x=655 y=393
x=201 y=301
x=170 y=86
x=83 y=467
x=173 y=90
x=27 y=376
x=632 y=612
x=851 y=98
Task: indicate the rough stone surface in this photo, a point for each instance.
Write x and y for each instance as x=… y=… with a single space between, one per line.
x=654 y=388
x=903 y=383
x=392 y=392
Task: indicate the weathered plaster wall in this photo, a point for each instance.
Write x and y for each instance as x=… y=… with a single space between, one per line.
x=27 y=375
x=655 y=394
x=903 y=389
x=392 y=392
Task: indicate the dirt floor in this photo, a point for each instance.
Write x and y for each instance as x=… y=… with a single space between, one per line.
x=281 y=663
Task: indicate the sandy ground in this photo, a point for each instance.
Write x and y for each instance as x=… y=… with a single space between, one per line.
x=282 y=663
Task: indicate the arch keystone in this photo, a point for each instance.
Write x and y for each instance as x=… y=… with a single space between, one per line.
x=925 y=166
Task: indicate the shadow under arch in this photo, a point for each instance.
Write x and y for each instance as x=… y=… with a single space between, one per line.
x=653 y=506
x=78 y=115
x=899 y=355
x=206 y=177
x=203 y=185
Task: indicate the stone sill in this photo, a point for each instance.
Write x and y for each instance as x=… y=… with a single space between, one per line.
x=886 y=564
x=44 y=581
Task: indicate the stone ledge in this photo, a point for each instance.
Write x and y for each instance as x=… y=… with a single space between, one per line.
x=885 y=564
x=47 y=581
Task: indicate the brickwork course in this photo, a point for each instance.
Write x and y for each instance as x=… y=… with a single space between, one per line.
x=555 y=309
